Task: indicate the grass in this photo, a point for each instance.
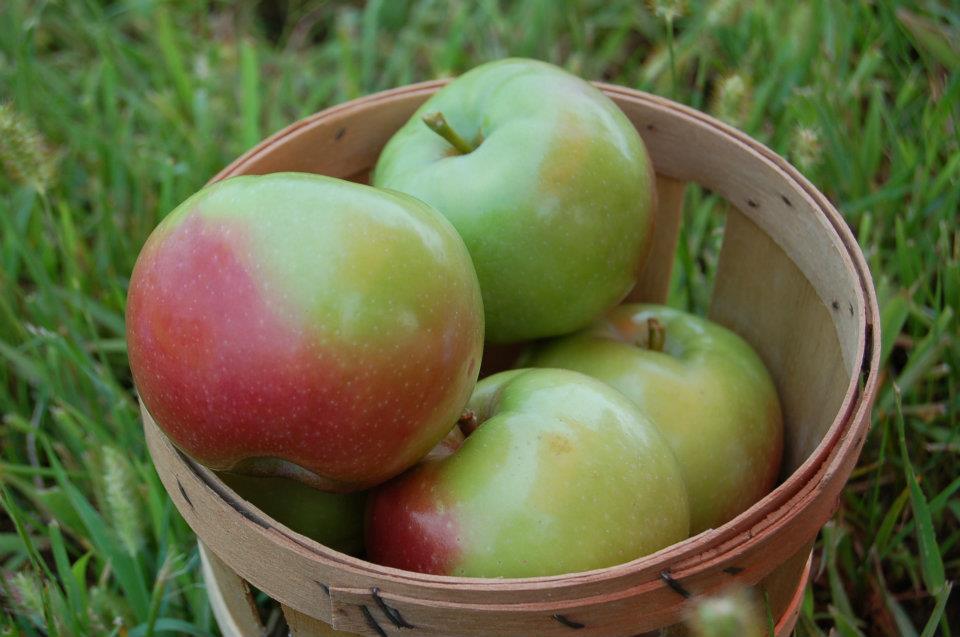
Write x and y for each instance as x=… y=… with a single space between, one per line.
x=114 y=112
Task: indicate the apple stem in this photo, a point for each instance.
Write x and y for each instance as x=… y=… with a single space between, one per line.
x=656 y=336
x=468 y=423
x=438 y=124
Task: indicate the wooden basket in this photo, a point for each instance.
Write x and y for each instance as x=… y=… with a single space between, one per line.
x=791 y=280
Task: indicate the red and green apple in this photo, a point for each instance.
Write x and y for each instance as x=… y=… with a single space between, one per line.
x=546 y=180
x=303 y=326
x=559 y=473
x=702 y=385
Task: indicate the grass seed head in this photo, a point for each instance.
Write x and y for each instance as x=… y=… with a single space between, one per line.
x=25 y=156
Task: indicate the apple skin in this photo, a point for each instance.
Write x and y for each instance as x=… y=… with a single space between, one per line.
x=707 y=391
x=563 y=474
x=554 y=204
x=303 y=326
x=333 y=519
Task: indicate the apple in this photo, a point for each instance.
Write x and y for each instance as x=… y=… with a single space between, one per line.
x=702 y=385
x=333 y=519
x=547 y=182
x=303 y=326
x=559 y=473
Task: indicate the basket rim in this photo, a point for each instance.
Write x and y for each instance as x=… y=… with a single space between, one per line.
x=781 y=505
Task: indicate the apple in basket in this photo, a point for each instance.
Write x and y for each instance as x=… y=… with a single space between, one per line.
x=546 y=180
x=303 y=326
x=702 y=385
x=558 y=473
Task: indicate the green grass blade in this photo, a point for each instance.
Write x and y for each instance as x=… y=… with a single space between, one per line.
x=368 y=44
x=893 y=316
x=934 y=622
x=127 y=569
x=75 y=600
x=25 y=366
x=940 y=41
x=882 y=539
x=170 y=50
x=17 y=517
x=249 y=95
x=934 y=577
x=171 y=625
x=900 y=617
x=926 y=354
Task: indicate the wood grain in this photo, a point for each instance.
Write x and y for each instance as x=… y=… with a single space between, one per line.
x=794 y=336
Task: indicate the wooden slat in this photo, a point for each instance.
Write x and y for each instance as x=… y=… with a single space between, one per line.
x=794 y=335
x=230 y=597
x=621 y=612
x=788 y=620
x=785 y=595
x=781 y=586
x=343 y=141
x=689 y=146
x=654 y=281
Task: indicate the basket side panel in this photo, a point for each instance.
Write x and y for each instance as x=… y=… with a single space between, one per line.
x=245 y=546
x=781 y=585
x=230 y=597
x=794 y=336
x=654 y=280
x=687 y=145
x=630 y=611
x=343 y=142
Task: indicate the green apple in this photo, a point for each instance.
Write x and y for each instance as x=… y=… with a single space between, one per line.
x=702 y=385
x=547 y=182
x=333 y=519
x=559 y=473
x=300 y=325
